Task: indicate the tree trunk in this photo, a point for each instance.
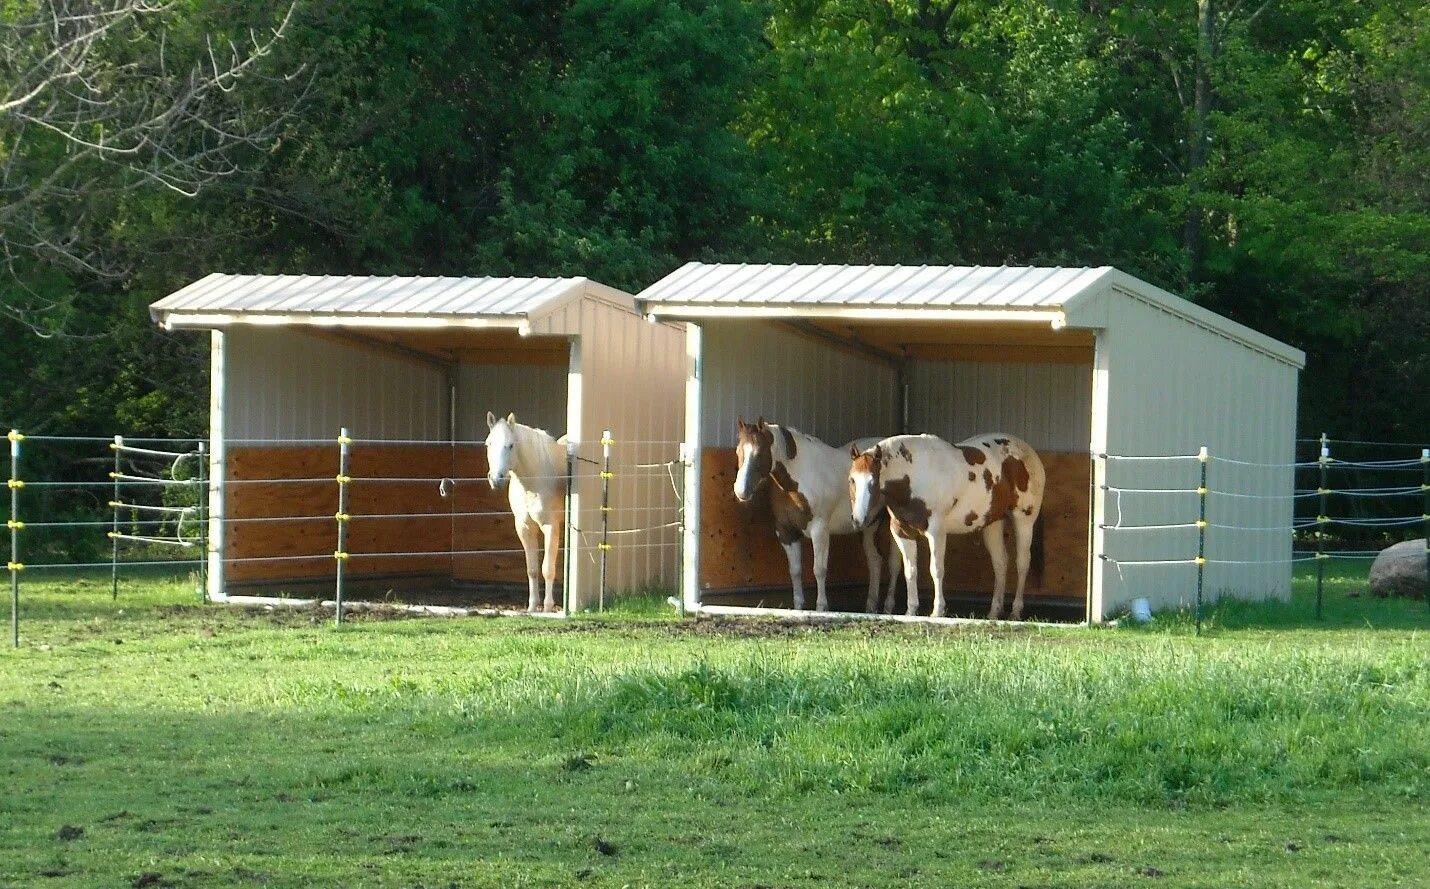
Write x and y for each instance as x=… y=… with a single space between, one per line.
x=1198 y=136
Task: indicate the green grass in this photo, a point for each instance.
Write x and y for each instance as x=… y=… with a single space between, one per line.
x=216 y=746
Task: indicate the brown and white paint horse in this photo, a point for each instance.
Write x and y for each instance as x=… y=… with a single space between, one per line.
x=807 y=496
x=535 y=463
x=932 y=488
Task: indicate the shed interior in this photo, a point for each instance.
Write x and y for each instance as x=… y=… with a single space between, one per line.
x=415 y=401
x=841 y=378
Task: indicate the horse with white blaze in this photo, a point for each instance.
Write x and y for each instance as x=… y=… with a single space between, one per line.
x=932 y=488
x=808 y=500
x=535 y=464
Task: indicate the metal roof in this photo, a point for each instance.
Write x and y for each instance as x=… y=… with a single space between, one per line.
x=1060 y=296
x=217 y=299
x=871 y=286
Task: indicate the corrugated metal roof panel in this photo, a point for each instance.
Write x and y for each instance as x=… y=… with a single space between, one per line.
x=339 y=295
x=871 y=286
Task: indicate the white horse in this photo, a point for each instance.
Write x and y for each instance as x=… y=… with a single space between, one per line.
x=932 y=488
x=808 y=500
x=536 y=465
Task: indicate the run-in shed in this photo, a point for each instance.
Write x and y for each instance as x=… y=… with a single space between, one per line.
x=1079 y=362
x=410 y=366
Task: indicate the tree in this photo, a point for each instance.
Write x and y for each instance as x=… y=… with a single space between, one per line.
x=101 y=99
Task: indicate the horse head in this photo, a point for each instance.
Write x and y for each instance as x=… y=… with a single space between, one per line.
x=754 y=456
x=866 y=498
x=501 y=448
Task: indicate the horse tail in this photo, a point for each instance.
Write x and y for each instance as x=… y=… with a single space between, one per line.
x=1036 y=550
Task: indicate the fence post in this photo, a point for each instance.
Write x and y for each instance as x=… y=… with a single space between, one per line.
x=202 y=496
x=340 y=555
x=605 y=512
x=1425 y=516
x=680 y=533
x=1323 y=519
x=572 y=533
x=114 y=525
x=14 y=524
x=1203 y=457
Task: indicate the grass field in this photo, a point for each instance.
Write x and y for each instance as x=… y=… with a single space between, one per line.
x=154 y=742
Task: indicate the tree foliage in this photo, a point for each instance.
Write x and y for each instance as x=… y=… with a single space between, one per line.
x=1267 y=158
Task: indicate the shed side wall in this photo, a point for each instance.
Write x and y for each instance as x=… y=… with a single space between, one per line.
x=1173 y=387
x=633 y=384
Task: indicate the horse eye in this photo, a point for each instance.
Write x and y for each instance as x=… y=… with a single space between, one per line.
x=510 y=446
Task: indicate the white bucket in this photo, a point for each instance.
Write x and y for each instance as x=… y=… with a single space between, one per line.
x=1141 y=610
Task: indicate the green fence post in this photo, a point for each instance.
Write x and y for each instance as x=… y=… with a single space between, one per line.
x=1425 y=517
x=1203 y=457
x=201 y=507
x=340 y=555
x=606 y=477
x=14 y=524
x=1323 y=520
x=114 y=524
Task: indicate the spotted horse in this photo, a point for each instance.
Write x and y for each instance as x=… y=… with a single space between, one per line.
x=807 y=479
x=931 y=488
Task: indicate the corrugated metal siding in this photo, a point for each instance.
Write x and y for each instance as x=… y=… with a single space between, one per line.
x=362 y=295
x=755 y=368
x=1174 y=387
x=536 y=394
x=633 y=384
x=282 y=384
x=1047 y=405
x=872 y=286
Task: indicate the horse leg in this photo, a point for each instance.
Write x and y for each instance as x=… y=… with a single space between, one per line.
x=530 y=541
x=909 y=552
x=548 y=566
x=875 y=563
x=1023 y=528
x=896 y=563
x=993 y=542
x=795 y=552
x=819 y=537
x=938 y=545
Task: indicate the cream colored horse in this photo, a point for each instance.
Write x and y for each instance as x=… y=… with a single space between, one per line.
x=932 y=489
x=535 y=463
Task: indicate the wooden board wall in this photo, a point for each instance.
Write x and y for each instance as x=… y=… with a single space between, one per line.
x=261 y=486
x=739 y=549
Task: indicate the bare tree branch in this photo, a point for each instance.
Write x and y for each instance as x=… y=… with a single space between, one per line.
x=98 y=99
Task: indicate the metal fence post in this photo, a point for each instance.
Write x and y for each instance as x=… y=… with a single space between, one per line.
x=199 y=507
x=1323 y=520
x=340 y=555
x=572 y=534
x=1203 y=457
x=114 y=525
x=680 y=533
x=14 y=524
x=605 y=513
x=1425 y=516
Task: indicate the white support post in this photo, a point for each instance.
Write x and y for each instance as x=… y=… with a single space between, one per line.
x=218 y=472
x=690 y=568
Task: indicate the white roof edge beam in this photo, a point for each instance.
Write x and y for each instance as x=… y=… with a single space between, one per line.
x=908 y=313
x=212 y=320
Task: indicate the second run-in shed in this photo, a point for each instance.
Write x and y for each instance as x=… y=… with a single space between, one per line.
x=411 y=366
x=1080 y=362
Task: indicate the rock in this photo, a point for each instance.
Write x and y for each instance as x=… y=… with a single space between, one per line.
x=1399 y=570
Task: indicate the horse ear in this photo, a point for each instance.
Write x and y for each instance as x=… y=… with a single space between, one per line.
x=491 y=419
x=879 y=453
x=853 y=452
x=763 y=424
x=740 y=422
x=511 y=417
